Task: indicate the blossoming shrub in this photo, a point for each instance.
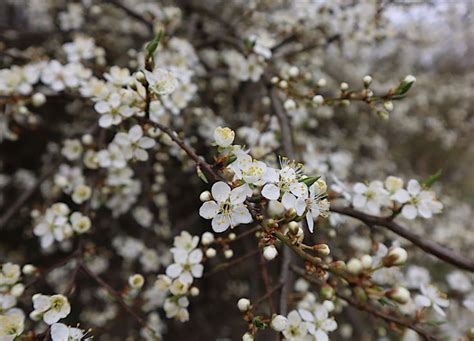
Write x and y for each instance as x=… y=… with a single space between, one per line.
x=232 y=167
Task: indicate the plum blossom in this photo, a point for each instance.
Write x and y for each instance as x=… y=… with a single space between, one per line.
x=161 y=81
x=370 y=197
x=296 y=328
x=227 y=208
x=431 y=297
x=283 y=181
x=315 y=203
x=134 y=144
x=186 y=265
x=418 y=202
x=50 y=308
x=319 y=324
x=62 y=332
x=224 y=136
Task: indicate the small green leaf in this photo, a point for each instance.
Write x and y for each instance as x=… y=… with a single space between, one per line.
x=201 y=175
x=385 y=302
x=308 y=181
x=153 y=45
x=427 y=183
x=259 y=323
x=435 y=323
x=404 y=86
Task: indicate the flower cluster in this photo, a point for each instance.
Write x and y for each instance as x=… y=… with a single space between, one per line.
x=180 y=275
x=59 y=224
x=415 y=200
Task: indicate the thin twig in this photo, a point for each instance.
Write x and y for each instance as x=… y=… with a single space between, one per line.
x=423 y=243
x=390 y=317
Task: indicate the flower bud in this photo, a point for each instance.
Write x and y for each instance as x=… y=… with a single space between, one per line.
x=247 y=337
x=322 y=249
x=367 y=80
x=294 y=71
x=28 y=269
x=366 y=261
x=388 y=105
x=87 y=139
x=283 y=84
x=274 y=80
x=211 y=253
x=327 y=292
x=228 y=253
x=270 y=252
x=354 y=266
x=205 y=196
x=293 y=227
x=194 y=291
x=243 y=304
x=289 y=104
x=140 y=76
x=399 y=294
x=318 y=99
x=279 y=323
x=136 y=281
x=344 y=86
x=17 y=290
x=38 y=99
x=232 y=236
x=322 y=82
x=409 y=79
x=395 y=256
x=207 y=238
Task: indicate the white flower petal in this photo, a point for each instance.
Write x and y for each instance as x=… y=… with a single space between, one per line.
x=209 y=210
x=220 y=191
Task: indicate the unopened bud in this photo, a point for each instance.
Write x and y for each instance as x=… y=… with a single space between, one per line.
x=322 y=249
x=194 y=291
x=344 y=86
x=322 y=82
x=243 y=304
x=327 y=292
x=318 y=99
x=388 y=105
x=279 y=323
x=367 y=80
x=289 y=104
x=38 y=99
x=399 y=294
x=293 y=227
x=395 y=256
x=366 y=261
x=283 y=84
x=270 y=252
x=354 y=266
x=207 y=238
x=228 y=253
x=28 y=269
x=205 y=196
x=211 y=253
x=294 y=71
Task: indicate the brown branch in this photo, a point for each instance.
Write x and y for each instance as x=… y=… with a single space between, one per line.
x=267 y=283
x=117 y=296
x=224 y=266
x=131 y=13
x=21 y=201
x=287 y=141
x=390 y=317
x=203 y=165
x=423 y=243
